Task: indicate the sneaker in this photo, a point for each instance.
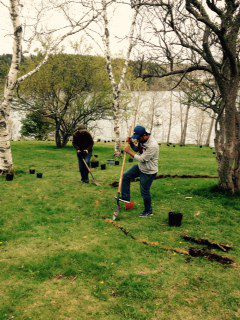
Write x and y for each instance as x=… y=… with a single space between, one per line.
x=146 y=214
x=85 y=181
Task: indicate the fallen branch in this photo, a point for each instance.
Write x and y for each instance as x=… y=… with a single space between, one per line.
x=213 y=245
x=191 y=252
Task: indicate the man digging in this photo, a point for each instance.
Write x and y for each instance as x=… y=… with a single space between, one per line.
x=83 y=143
x=148 y=154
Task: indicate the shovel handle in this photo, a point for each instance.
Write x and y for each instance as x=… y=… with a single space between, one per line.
x=124 y=164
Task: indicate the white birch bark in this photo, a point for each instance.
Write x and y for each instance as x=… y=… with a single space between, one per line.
x=6 y=161
x=117 y=87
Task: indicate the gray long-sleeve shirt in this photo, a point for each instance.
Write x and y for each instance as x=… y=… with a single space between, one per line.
x=149 y=158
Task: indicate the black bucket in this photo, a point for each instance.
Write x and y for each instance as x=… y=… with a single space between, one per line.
x=32 y=171
x=116 y=163
x=39 y=175
x=9 y=176
x=175 y=219
x=94 y=164
x=103 y=166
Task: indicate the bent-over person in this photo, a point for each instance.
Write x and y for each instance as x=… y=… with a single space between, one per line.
x=83 y=143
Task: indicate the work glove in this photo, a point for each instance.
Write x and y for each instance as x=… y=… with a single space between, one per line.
x=83 y=153
x=129 y=140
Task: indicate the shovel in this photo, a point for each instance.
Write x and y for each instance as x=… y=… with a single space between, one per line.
x=116 y=213
x=89 y=170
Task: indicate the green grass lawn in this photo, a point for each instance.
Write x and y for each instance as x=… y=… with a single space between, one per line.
x=59 y=259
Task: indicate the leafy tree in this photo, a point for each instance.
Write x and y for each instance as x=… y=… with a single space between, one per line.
x=69 y=90
x=35 y=125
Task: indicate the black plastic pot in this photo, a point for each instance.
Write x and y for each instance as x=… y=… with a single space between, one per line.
x=32 y=171
x=174 y=146
x=130 y=160
x=200 y=146
x=116 y=163
x=111 y=162
x=103 y=166
x=94 y=164
x=39 y=175
x=175 y=219
x=214 y=153
x=9 y=176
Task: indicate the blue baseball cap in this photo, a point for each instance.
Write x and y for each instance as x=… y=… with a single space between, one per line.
x=139 y=132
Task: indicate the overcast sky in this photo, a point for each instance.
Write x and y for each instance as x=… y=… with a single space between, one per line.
x=120 y=24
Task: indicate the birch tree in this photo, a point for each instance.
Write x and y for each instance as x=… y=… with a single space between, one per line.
x=14 y=78
x=6 y=162
x=117 y=85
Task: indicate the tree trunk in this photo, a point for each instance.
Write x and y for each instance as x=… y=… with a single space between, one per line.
x=6 y=161
x=200 y=123
x=184 y=132
x=170 y=119
x=207 y=143
x=58 y=139
x=116 y=119
x=65 y=139
x=227 y=143
x=61 y=138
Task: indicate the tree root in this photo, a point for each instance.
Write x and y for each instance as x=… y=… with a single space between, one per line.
x=191 y=252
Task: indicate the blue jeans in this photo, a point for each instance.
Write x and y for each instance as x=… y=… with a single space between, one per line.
x=82 y=167
x=146 y=181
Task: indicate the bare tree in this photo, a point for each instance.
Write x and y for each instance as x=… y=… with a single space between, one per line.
x=117 y=86
x=13 y=79
x=206 y=35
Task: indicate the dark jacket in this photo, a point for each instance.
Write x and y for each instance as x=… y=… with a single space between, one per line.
x=82 y=140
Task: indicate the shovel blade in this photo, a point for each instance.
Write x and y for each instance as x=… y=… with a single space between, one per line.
x=115 y=215
x=96 y=183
